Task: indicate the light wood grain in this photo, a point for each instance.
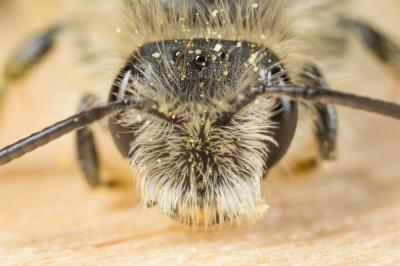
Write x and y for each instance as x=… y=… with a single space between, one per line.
x=347 y=213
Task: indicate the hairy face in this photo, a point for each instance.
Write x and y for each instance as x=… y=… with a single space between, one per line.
x=203 y=170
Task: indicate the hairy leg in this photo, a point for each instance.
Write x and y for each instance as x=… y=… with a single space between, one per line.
x=86 y=147
x=317 y=131
x=326 y=117
x=384 y=48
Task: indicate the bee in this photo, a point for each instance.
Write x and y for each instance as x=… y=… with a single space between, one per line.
x=206 y=96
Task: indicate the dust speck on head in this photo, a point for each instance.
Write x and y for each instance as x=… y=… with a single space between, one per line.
x=218 y=47
x=156 y=55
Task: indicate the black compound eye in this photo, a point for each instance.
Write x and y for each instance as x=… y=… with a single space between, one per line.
x=122 y=135
x=200 y=61
x=286 y=121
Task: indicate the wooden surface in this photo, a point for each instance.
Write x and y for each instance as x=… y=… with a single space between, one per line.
x=347 y=213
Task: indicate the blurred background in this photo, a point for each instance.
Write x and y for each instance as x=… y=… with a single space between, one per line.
x=350 y=205
x=45 y=94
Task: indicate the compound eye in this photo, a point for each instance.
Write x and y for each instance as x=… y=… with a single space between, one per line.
x=286 y=123
x=121 y=135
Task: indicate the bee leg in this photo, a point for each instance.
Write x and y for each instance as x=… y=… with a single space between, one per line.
x=325 y=125
x=379 y=44
x=326 y=131
x=86 y=148
x=326 y=117
x=27 y=56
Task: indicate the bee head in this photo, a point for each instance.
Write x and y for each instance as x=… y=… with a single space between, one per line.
x=207 y=165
